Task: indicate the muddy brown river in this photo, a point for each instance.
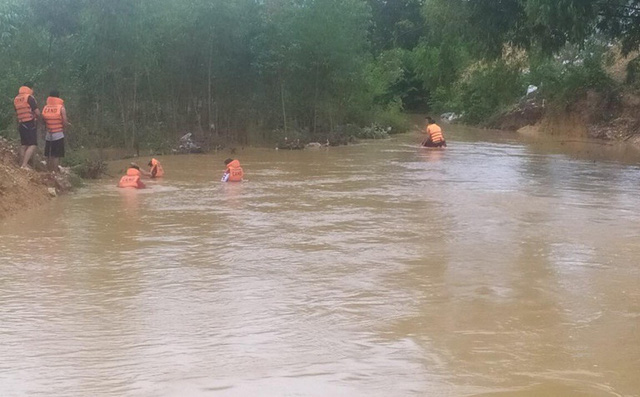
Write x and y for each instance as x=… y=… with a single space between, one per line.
x=499 y=267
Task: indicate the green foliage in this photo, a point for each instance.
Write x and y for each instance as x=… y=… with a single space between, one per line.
x=388 y=71
x=75 y=180
x=84 y=165
x=484 y=90
x=373 y=131
x=140 y=74
x=391 y=118
x=464 y=60
x=620 y=19
x=564 y=79
x=396 y=24
x=543 y=26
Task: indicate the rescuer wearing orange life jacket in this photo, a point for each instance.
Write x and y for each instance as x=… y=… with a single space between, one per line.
x=156 y=170
x=435 y=138
x=133 y=178
x=27 y=113
x=234 y=172
x=55 y=119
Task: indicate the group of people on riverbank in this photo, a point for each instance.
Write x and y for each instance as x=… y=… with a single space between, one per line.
x=55 y=119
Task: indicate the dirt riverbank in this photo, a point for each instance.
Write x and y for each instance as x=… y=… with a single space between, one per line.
x=24 y=189
x=594 y=115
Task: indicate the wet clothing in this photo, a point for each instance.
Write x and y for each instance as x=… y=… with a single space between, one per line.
x=28 y=133
x=132 y=179
x=54 y=148
x=156 y=170
x=233 y=173
x=430 y=143
x=435 y=133
x=435 y=137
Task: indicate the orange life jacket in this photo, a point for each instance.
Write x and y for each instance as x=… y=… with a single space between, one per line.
x=235 y=171
x=435 y=132
x=21 y=104
x=52 y=114
x=156 y=169
x=132 y=179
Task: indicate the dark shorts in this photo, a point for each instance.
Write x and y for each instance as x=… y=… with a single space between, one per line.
x=429 y=143
x=54 y=148
x=28 y=133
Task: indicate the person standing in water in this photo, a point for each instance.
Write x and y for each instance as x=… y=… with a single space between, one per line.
x=155 y=169
x=435 y=137
x=234 y=172
x=133 y=177
x=27 y=113
x=55 y=118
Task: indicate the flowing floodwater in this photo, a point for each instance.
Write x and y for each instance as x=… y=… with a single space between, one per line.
x=496 y=267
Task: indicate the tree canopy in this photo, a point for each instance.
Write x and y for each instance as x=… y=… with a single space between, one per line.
x=133 y=71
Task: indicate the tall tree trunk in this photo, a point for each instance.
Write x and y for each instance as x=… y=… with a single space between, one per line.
x=284 y=110
x=123 y=116
x=209 y=88
x=315 y=102
x=134 y=138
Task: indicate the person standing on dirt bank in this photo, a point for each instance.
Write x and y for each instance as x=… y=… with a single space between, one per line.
x=27 y=113
x=435 y=137
x=55 y=118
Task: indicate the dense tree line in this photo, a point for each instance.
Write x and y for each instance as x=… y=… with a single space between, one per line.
x=477 y=56
x=133 y=70
x=140 y=72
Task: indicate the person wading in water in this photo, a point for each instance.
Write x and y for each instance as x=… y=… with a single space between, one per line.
x=435 y=137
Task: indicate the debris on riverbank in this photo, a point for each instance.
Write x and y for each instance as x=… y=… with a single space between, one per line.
x=342 y=135
x=22 y=189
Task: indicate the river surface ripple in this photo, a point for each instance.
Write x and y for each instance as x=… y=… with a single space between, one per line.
x=496 y=267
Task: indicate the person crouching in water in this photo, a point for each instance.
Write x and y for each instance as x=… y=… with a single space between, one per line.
x=133 y=178
x=155 y=170
x=435 y=138
x=234 y=172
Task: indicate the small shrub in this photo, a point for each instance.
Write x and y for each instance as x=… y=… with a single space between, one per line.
x=562 y=81
x=75 y=180
x=84 y=165
x=374 y=131
x=392 y=118
x=486 y=89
